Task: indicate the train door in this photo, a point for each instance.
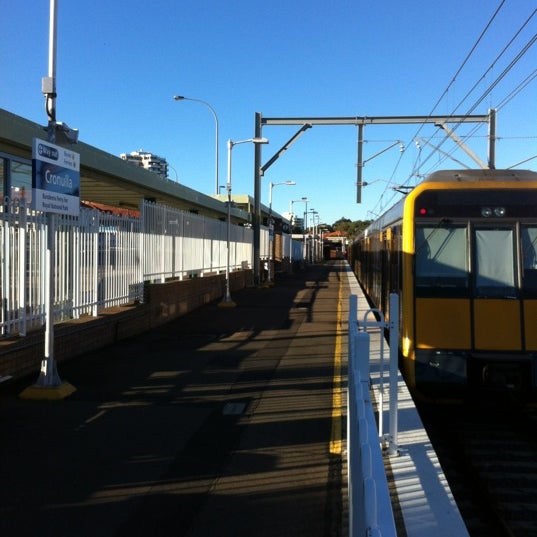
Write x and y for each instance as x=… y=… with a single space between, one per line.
x=386 y=255
x=496 y=306
x=528 y=236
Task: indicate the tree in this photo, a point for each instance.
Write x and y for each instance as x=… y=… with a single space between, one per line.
x=349 y=227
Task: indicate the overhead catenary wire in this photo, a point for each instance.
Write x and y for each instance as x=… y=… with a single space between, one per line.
x=444 y=93
x=420 y=161
x=463 y=64
x=498 y=57
x=488 y=90
x=517 y=90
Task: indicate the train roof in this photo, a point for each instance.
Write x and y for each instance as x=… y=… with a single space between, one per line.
x=481 y=175
x=469 y=176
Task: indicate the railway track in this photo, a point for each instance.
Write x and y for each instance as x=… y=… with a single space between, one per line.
x=488 y=451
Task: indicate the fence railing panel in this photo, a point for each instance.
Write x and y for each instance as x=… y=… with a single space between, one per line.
x=120 y=277
x=103 y=259
x=34 y=282
x=264 y=245
x=370 y=510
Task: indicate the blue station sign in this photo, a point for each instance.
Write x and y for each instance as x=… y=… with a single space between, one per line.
x=55 y=178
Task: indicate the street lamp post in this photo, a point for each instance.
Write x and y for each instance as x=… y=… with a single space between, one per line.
x=322 y=232
x=227 y=300
x=271 y=227
x=313 y=212
x=182 y=98
x=304 y=230
x=318 y=249
x=301 y=200
x=316 y=236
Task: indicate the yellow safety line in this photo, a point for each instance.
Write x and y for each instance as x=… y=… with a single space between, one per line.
x=335 y=436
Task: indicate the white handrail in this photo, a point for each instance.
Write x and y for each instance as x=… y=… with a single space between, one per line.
x=370 y=509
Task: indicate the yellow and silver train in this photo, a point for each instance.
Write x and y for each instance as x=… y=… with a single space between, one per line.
x=461 y=251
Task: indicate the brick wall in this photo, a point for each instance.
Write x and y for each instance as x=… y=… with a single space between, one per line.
x=163 y=302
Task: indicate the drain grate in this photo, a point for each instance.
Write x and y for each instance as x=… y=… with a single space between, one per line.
x=234 y=408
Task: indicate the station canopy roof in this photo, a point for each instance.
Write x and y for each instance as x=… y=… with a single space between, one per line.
x=110 y=180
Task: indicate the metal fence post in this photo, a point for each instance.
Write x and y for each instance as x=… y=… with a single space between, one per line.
x=394 y=357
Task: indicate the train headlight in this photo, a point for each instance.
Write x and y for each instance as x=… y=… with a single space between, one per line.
x=487 y=212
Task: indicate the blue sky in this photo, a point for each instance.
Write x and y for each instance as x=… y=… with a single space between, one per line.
x=119 y=64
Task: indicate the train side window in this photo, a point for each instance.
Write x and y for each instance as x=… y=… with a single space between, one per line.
x=495 y=262
x=441 y=256
x=529 y=258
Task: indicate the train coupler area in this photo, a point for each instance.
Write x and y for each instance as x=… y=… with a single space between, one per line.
x=451 y=374
x=502 y=373
x=440 y=374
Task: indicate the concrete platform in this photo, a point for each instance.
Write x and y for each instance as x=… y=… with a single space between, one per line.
x=225 y=422
x=219 y=423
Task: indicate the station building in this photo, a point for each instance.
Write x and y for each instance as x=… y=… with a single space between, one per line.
x=104 y=178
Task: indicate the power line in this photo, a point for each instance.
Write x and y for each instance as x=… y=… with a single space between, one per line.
x=517 y=58
x=517 y=90
x=486 y=92
x=419 y=163
x=495 y=61
x=454 y=78
x=468 y=56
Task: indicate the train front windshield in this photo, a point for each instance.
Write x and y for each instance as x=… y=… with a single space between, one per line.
x=441 y=256
x=480 y=246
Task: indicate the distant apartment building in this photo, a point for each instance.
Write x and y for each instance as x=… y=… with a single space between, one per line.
x=147 y=160
x=294 y=220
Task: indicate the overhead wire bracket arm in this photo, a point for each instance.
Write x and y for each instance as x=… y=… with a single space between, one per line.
x=284 y=148
x=397 y=142
x=443 y=152
x=461 y=144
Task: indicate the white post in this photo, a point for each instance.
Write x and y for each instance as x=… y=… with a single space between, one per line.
x=291 y=221
x=49 y=384
x=304 y=226
x=49 y=374
x=227 y=301
x=270 y=235
x=271 y=227
x=302 y=200
x=394 y=355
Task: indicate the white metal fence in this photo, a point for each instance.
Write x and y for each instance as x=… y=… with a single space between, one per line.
x=370 y=509
x=182 y=245
x=102 y=260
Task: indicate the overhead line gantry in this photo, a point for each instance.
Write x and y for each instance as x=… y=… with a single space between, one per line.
x=358 y=121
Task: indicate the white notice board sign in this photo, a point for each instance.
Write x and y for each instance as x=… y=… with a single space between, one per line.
x=55 y=178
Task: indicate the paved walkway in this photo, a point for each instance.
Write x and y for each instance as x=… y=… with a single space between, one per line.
x=225 y=422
